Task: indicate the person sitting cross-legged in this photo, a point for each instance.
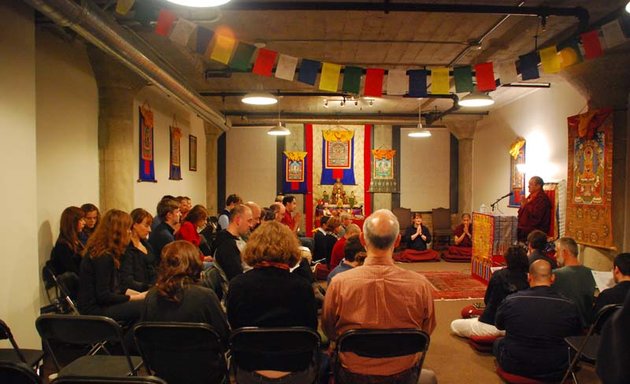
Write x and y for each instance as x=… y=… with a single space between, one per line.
x=417 y=237
x=462 y=236
x=536 y=321
x=503 y=282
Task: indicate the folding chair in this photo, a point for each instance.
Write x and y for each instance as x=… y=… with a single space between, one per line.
x=187 y=353
x=290 y=349
x=585 y=347
x=109 y=380
x=381 y=343
x=90 y=331
x=64 y=296
x=30 y=357
x=12 y=372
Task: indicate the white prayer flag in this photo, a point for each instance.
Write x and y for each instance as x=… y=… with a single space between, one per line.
x=182 y=31
x=613 y=35
x=507 y=72
x=286 y=67
x=397 y=82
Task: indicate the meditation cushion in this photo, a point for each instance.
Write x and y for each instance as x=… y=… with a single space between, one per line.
x=512 y=378
x=482 y=343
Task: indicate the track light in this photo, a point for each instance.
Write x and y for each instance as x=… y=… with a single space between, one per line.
x=325 y=103
x=476 y=99
x=343 y=102
x=259 y=98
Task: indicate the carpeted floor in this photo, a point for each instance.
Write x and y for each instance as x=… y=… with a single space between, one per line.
x=451 y=285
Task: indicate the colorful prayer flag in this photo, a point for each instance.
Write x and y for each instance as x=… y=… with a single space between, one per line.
x=329 y=80
x=507 y=72
x=592 y=45
x=242 y=57
x=529 y=66
x=417 y=82
x=223 y=47
x=286 y=67
x=397 y=82
x=165 y=21
x=570 y=53
x=484 y=73
x=549 y=59
x=352 y=79
x=124 y=6
x=613 y=35
x=204 y=36
x=264 y=62
x=308 y=71
x=374 y=82
x=182 y=31
x=440 y=84
x=463 y=79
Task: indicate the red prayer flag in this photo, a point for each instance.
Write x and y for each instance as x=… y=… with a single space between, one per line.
x=484 y=73
x=592 y=45
x=165 y=22
x=264 y=62
x=374 y=82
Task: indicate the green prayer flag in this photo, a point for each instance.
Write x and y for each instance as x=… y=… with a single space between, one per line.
x=463 y=79
x=243 y=57
x=352 y=79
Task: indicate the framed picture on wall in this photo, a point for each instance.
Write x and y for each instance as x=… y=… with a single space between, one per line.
x=192 y=153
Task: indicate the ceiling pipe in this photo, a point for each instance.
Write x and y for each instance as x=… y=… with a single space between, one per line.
x=578 y=12
x=101 y=30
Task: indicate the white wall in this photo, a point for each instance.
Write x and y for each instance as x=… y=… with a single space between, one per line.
x=67 y=134
x=19 y=278
x=251 y=165
x=424 y=171
x=193 y=184
x=540 y=118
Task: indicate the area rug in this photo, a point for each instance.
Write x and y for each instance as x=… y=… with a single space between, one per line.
x=454 y=285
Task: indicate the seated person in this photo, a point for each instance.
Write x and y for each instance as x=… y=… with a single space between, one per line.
x=230 y=244
x=573 y=280
x=137 y=266
x=618 y=293
x=354 y=255
x=177 y=296
x=338 y=249
x=614 y=351
x=502 y=283
x=66 y=254
x=536 y=321
x=463 y=240
x=92 y=217
x=231 y=201
x=270 y=295
x=100 y=292
x=195 y=221
x=164 y=233
x=536 y=244
x=417 y=237
x=325 y=239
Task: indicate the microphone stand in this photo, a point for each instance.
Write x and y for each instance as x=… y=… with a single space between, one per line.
x=494 y=205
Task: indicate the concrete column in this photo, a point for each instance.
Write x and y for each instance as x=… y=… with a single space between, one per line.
x=212 y=136
x=464 y=131
x=117 y=87
x=606 y=83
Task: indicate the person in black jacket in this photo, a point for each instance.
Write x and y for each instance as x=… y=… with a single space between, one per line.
x=66 y=254
x=100 y=291
x=137 y=266
x=229 y=242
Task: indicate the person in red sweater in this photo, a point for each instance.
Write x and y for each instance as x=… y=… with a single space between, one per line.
x=338 y=250
x=195 y=221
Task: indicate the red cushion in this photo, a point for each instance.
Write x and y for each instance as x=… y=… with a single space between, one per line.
x=511 y=378
x=483 y=339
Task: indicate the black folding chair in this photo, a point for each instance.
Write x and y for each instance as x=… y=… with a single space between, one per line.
x=64 y=285
x=382 y=343
x=109 y=380
x=91 y=332
x=12 y=372
x=291 y=349
x=30 y=357
x=187 y=353
x=584 y=348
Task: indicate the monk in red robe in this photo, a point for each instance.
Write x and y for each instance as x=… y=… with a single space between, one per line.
x=535 y=211
x=462 y=250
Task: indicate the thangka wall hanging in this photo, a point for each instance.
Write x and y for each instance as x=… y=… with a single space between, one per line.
x=517 y=178
x=192 y=153
x=145 y=153
x=175 y=163
x=589 y=190
x=338 y=157
x=383 y=180
x=294 y=172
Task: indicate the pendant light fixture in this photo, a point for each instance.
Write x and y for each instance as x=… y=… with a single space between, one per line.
x=199 y=3
x=419 y=131
x=476 y=99
x=280 y=129
x=259 y=98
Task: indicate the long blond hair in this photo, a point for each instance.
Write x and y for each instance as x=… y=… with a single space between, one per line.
x=111 y=236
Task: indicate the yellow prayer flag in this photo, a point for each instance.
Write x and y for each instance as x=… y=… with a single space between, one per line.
x=440 y=81
x=549 y=59
x=223 y=47
x=123 y=6
x=568 y=57
x=329 y=79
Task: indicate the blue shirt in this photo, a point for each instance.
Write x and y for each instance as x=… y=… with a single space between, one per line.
x=342 y=267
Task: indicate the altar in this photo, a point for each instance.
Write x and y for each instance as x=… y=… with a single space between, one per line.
x=492 y=236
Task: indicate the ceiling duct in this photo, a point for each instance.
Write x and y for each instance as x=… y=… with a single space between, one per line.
x=101 y=30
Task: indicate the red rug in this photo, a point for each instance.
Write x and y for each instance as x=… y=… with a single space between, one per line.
x=454 y=285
